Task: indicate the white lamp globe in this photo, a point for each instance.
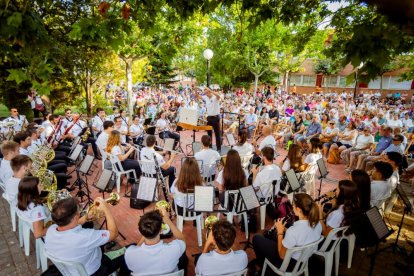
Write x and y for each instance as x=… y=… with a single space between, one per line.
x=208 y=54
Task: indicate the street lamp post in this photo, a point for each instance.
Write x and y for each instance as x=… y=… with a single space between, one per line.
x=208 y=55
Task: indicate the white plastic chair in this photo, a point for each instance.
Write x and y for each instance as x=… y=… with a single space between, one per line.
x=67 y=268
x=307 y=179
x=2 y=185
x=239 y=273
x=148 y=169
x=301 y=263
x=12 y=212
x=268 y=198
x=237 y=205
x=25 y=227
x=351 y=246
x=177 y=273
x=328 y=250
x=119 y=171
x=188 y=216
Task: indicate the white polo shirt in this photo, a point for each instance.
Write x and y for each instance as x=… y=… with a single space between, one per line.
x=212 y=105
x=35 y=213
x=245 y=149
x=77 y=128
x=301 y=233
x=136 y=129
x=266 y=175
x=209 y=158
x=147 y=154
x=97 y=122
x=102 y=141
x=6 y=171
x=380 y=190
x=335 y=218
x=157 y=259
x=77 y=245
x=122 y=128
x=12 y=189
x=213 y=263
x=268 y=141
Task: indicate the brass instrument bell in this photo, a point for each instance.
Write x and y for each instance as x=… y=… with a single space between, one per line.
x=209 y=222
x=163 y=203
x=92 y=211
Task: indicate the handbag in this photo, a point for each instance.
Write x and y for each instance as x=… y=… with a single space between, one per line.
x=333 y=157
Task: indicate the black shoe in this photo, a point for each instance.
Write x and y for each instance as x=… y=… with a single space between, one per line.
x=98 y=158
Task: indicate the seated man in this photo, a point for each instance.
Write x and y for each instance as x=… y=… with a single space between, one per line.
x=20 y=165
x=68 y=241
x=151 y=256
x=312 y=130
x=251 y=122
x=209 y=157
x=268 y=140
x=267 y=174
x=148 y=153
x=380 y=187
x=382 y=144
x=9 y=149
x=222 y=260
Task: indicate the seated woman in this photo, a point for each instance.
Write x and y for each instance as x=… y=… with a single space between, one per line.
x=115 y=148
x=293 y=160
x=30 y=205
x=163 y=126
x=303 y=231
x=345 y=140
x=243 y=147
x=232 y=177
x=314 y=155
x=263 y=119
x=344 y=208
x=188 y=178
x=297 y=127
x=136 y=131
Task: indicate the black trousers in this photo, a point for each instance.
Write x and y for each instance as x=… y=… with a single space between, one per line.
x=267 y=248
x=170 y=172
x=109 y=266
x=214 y=121
x=130 y=164
x=93 y=144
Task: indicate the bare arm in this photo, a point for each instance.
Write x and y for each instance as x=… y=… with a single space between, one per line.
x=111 y=224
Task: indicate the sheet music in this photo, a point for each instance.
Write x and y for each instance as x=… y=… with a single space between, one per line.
x=169 y=144
x=292 y=179
x=146 y=189
x=249 y=197
x=104 y=179
x=188 y=116
x=203 y=198
x=377 y=222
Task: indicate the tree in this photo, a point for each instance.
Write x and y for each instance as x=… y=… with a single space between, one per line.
x=160 y=72
x=326 y=67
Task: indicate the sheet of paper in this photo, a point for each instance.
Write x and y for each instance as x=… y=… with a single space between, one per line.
x=203 y=198
x=230 y=138
x=249 y=197
x=146 y=188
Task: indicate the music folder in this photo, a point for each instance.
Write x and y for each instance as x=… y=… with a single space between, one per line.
x=146 y=189
x=249 y=197
x=203 y=198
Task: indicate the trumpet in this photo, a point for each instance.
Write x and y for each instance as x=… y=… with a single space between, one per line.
x=209 y=222
x=94 y=213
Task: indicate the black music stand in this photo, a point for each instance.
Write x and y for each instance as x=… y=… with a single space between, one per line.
x=75 y=156
x=370 y=229
x=247 y=200
x=407 y=210
x=323 y=172
x=80 y=183
x=106 y=184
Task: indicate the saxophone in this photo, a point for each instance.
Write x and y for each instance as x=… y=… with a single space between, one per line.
x=86 y=135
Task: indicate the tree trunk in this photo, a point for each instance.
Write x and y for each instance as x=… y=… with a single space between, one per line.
x=382 y=76
x=128 y=67
x=89 y=94
x=286 y=81
x=256 y=83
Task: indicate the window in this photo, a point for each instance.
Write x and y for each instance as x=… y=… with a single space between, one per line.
x=331 y=81
x=309 y=81
x=342 y=83
x=295 y=80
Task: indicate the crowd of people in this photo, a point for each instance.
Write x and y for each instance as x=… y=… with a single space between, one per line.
x=371 y=136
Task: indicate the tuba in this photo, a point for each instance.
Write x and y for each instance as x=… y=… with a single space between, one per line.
x=209 y=222
x=96 y=214
x=9 y=125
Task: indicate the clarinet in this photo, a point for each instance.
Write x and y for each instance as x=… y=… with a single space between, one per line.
x=159 y=174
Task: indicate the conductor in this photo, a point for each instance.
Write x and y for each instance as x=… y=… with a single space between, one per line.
x=212 y=100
